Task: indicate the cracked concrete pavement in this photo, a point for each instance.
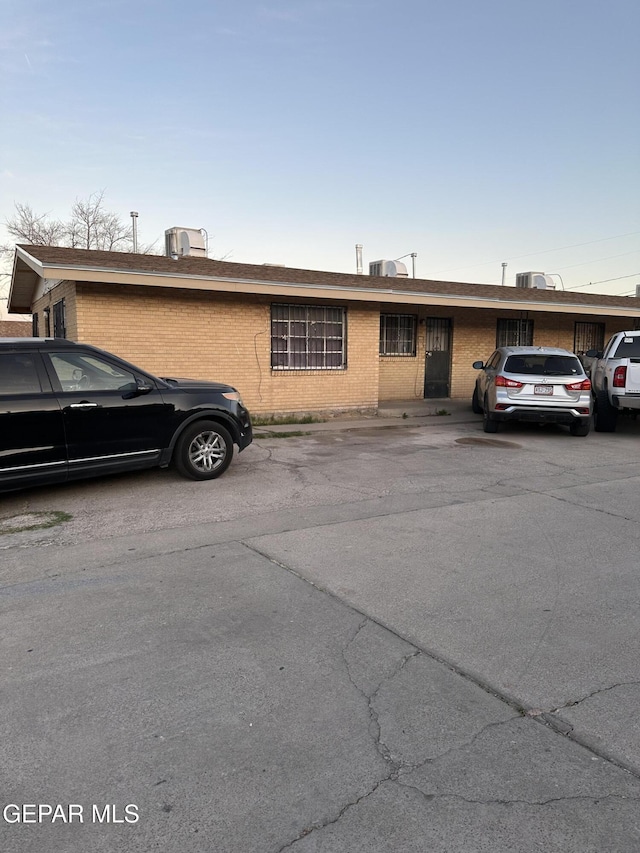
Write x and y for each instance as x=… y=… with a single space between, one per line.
x=396 y=640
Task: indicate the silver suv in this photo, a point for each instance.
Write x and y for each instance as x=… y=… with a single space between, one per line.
x=539 y=384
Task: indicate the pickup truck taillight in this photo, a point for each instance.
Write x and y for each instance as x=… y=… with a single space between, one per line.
x=503 y=382
x=585 y=385
x=620 y=376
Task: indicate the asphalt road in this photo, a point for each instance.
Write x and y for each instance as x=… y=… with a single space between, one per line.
x=410 y=639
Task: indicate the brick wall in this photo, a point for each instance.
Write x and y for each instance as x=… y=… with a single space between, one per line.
x=227 y=338
x=402 y=376
x=15 y=329
x=65 y=290
x=474 y=338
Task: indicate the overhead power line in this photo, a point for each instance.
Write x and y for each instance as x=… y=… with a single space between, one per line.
x=598 y=260
x=542 y=252
x=603 y=281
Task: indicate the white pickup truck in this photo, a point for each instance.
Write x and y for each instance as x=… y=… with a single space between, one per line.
x=615 y=379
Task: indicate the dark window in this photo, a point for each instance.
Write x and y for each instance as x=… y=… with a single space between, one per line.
x=307 y=337
x=59 y=320
x=80 y=372
x=438 y=334
x=514 y=333
x=588 y=336
x=34 y=325
x=18 y=374
x=398 y=334
x=628 y=348
x=534 y=364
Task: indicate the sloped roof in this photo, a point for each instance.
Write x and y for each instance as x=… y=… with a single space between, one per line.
x=62 y=262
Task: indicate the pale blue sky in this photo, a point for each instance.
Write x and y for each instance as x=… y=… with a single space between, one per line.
x=469 y=131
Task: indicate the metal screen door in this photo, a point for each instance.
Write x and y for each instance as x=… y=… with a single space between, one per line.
x=437 y=365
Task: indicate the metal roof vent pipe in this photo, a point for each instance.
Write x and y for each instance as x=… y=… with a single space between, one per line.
x=134 y=230
x=359 y=258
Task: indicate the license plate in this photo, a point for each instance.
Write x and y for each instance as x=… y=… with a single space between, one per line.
x=543 y=389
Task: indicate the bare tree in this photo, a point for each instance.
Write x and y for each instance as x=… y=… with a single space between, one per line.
x=90 y=226
x=27 y=227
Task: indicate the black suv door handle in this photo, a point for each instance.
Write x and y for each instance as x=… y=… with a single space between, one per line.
x=85 y=405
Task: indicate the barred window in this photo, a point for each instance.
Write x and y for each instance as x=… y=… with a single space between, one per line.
x=59 y=320
x=588 y=336
x=514 y=333
x=398 y=334
x=308 y=337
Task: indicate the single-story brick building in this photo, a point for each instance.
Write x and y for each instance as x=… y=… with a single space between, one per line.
x=294 y=340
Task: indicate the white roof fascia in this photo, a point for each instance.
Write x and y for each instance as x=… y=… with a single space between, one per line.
x=74 y=273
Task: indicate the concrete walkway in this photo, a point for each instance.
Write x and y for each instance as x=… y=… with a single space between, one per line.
x=394 y=413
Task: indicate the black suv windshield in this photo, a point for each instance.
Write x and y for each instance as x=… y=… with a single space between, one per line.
x=539 y=364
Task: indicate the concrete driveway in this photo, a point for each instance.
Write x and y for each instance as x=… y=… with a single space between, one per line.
x=417 y=638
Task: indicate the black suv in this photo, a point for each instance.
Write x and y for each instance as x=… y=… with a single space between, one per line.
x=70 y=410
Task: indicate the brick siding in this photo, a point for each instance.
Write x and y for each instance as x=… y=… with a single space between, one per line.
x=226 y=337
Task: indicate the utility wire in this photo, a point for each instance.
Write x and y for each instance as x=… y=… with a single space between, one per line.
x=543 y=252
x=597 y=260
x=603 y=281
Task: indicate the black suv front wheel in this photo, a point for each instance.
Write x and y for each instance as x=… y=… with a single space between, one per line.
x=203 y=451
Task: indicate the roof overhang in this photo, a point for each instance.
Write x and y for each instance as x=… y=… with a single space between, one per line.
x=29 y=271
x=26 y=274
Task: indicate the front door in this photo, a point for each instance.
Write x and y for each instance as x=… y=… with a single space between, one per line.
x=437 y=368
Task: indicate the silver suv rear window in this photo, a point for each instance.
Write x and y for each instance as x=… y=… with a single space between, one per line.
x=539 y=364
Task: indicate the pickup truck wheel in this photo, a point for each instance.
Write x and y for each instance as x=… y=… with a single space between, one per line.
x=606 y=417
x=581 y=427
x=203 y=451
x=489 y=424
x=475 y=403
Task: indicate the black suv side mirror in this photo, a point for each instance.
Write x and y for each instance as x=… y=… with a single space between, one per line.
x=593 y=353
x=143 y=387
x=478 y=365
x=136 y=389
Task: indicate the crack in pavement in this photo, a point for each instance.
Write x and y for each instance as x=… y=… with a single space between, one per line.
x=406 y=767
x=509 y=483
x=498 y=802
x=547 y=719
x=575 y=702
x=397 y=769
x=316 y=826
x=374 y=723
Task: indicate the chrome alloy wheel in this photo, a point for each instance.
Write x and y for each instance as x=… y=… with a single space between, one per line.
x=207 y=451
